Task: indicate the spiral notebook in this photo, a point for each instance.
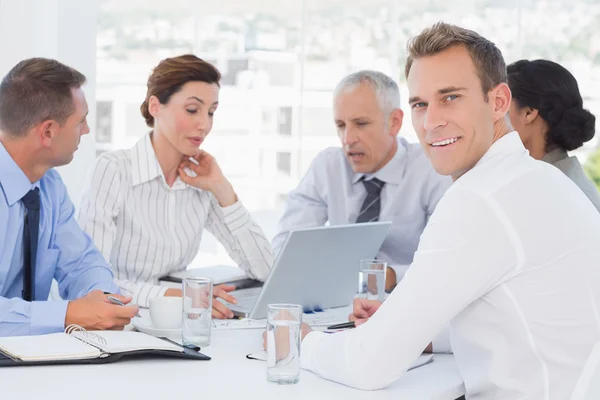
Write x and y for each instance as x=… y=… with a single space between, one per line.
x=76 y=345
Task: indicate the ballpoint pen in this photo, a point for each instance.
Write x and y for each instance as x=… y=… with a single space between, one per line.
x=118 y=302
x=344 y=325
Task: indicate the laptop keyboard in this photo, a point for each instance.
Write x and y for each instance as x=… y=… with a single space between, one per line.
x=245 y=297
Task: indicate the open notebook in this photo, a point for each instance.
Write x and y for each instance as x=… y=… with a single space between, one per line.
x=78 y=345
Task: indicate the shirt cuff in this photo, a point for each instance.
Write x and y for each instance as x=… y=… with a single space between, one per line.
x=441 y=344
x=143 y=299
x=235 y=216
x=309 y=343
x=48 y=316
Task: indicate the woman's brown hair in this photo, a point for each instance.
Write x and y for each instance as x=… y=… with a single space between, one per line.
x=171 y=74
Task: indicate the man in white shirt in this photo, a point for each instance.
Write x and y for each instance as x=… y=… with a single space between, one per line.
x=521 y=295
x=376 y=176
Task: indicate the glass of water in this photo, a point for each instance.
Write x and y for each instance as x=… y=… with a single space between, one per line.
x=197 y=311
x=283 y=343
x=371 y=279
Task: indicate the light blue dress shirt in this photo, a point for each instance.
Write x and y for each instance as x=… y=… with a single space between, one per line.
x=332 y=192
x=65 y=253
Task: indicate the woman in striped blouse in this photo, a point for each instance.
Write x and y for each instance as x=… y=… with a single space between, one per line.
x=146 y=207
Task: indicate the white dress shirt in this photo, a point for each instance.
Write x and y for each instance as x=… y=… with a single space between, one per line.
x=332 y=192
x=521 y=295
x=146 y=229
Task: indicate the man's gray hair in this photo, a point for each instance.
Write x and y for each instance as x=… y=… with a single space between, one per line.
x=385 y=88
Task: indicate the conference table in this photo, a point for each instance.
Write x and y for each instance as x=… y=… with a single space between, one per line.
x=228 y=375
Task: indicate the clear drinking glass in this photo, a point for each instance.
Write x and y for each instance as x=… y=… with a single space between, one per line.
x=283 y=343
x=197 y=311
x=371 y=279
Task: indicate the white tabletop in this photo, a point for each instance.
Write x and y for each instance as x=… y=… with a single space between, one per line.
x=229 y=375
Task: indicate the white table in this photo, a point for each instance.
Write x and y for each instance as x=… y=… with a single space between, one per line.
x=229 y=375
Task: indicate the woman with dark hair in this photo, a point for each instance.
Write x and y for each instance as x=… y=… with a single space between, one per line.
x=547 y=111
x=147 y=206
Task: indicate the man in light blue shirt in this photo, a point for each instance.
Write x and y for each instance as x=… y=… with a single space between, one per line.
x=42 y=118
x=375 y=176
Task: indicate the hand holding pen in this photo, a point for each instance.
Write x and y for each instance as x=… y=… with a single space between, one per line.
x=118 y=302
x=362 y=310
x=95 y=311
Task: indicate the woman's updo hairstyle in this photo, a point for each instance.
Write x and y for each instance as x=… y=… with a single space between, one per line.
x=552 y=90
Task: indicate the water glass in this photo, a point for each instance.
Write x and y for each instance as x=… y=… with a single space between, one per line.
x=283 y=343
x=371 y=279
x=197 y=311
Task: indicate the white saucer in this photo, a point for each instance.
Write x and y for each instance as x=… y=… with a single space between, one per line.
x=145 y=325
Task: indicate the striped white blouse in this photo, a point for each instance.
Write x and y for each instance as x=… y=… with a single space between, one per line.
x=146 y=229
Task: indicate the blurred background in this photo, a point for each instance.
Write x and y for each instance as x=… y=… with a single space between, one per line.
x=280 y=61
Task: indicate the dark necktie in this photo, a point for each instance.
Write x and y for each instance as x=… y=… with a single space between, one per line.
x=30 y=242
x=369 y=212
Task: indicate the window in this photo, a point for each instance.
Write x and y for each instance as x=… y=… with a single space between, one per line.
x=284 y=121
x=104 y=122
x=281 y=60
x=284 y=163
x=135 y=126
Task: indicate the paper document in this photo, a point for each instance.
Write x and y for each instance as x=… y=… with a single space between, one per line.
x=327 y=317
x=318 y=320
x=245 y=323
x=421 y=360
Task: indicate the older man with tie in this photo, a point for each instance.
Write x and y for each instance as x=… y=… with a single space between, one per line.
x=42 y=118
x=375 y=176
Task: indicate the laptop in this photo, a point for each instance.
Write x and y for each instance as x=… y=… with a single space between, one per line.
x=316 y=267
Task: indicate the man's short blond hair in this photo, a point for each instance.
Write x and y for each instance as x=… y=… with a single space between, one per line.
x=487 y=58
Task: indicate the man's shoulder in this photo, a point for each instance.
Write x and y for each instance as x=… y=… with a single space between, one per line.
x=52 y=180
x=414 y=152
x=329 y=157
x=418 y=164
x=53 y=187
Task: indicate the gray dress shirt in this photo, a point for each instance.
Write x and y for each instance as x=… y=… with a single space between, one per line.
x=332 y=193
x=571 y=167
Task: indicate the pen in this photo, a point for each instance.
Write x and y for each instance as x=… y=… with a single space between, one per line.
x=345 y=325
x=118 y=302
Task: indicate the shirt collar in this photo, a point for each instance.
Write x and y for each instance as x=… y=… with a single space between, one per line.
x=392 y=172
x=555 y=156
x=144 y=164
x=508 y=144
x=13 y=181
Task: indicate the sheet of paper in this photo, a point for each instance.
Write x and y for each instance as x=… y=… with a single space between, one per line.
x=327 y=317
x=123 y=341
x=224 y=324
x=55 y=346
x=317 y=320
x=422 y=360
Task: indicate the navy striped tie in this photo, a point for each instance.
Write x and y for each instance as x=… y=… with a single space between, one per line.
x=369 y=212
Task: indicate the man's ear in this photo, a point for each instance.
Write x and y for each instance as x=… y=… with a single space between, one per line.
x=395 y=121
x=501 y=98
x=47 y=131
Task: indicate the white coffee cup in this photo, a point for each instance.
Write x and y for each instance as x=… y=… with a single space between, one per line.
x=166 y=312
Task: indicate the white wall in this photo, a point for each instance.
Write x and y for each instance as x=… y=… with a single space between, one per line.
x=64 y=30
